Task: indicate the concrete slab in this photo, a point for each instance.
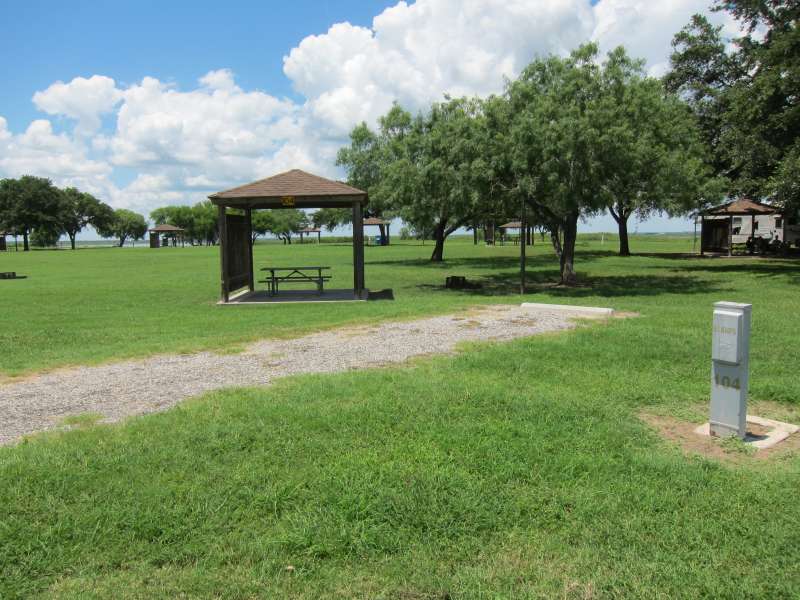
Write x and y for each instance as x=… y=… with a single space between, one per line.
x=292 y=296
x=588 y=312
x=778 y=431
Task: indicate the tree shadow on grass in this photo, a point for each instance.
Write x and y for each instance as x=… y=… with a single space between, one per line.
x=787 y=269
x=489 y=262
x=507 y=284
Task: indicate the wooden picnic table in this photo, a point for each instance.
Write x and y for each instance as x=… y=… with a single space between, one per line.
x=278 y=275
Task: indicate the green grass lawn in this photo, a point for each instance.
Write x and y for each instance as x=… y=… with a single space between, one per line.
x=510 y=471
x=97 y=304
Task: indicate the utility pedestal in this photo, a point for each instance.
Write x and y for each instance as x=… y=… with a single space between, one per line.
x=730 y=362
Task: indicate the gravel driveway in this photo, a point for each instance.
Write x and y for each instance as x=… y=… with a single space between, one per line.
x=134 y=387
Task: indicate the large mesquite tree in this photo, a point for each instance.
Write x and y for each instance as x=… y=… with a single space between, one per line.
x=124 y=225
x=365 y=161
x=29 y=203
x=430 y=178
x=78 y=209
x=554 y=144
x=652 y=159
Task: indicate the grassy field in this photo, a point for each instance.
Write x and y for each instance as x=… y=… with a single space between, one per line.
x=93 y=305
x=518 y=470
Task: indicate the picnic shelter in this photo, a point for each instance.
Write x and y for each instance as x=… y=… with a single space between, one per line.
x=165 y=232
x=292 y=189
x=724 y=226
x=383 y=224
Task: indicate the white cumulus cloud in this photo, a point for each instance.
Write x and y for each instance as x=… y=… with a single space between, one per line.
x=416 y=53
x=85 y=100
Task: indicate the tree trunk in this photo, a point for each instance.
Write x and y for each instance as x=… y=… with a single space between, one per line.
x=122 y=241
x=624 y=248
x=72 y=240
x=621 y=217
x=382 y=233
x=555 y=239
x=570 y=226
x=438 y=249
x=25 y=245
x=475 y=235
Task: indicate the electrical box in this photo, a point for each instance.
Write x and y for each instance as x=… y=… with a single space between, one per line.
x=726 y=343
x=730 y=358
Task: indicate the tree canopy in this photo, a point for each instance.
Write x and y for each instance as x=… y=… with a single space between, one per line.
x=430 y=179
x=78 y=209
x=29 y=203
x=652 y=159
x=746 y=99
x=282 y=223
x=125 y=225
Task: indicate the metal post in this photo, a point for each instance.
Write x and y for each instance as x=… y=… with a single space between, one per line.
x=223 y=262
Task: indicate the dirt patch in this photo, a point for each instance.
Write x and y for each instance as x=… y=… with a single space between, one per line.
x=682 y=433
x=623 y=314
x=470 y=324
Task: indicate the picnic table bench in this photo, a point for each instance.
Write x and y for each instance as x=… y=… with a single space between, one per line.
x=279 y=275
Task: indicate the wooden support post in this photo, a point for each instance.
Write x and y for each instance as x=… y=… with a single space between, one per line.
x=223 y=262
x=358 y=250
x=783 y=231
x=730 y=236
x=702 y=222
x=248 y=214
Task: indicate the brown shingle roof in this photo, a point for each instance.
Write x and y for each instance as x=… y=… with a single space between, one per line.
x=511 y=225
x=165 y=228
x=291 y=183
x=743 y=206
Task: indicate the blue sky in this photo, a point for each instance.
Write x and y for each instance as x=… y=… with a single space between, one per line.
x=42 y=42
x=152 y=103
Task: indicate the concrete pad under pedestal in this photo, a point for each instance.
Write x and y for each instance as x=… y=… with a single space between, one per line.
x=777 y=432
x=586 y=312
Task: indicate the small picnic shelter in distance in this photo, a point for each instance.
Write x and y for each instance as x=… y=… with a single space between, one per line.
x=167 y=231
x=736 y=222
x=309 y=231
x=381 y=223
x=292 y=189
x=517 y=225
